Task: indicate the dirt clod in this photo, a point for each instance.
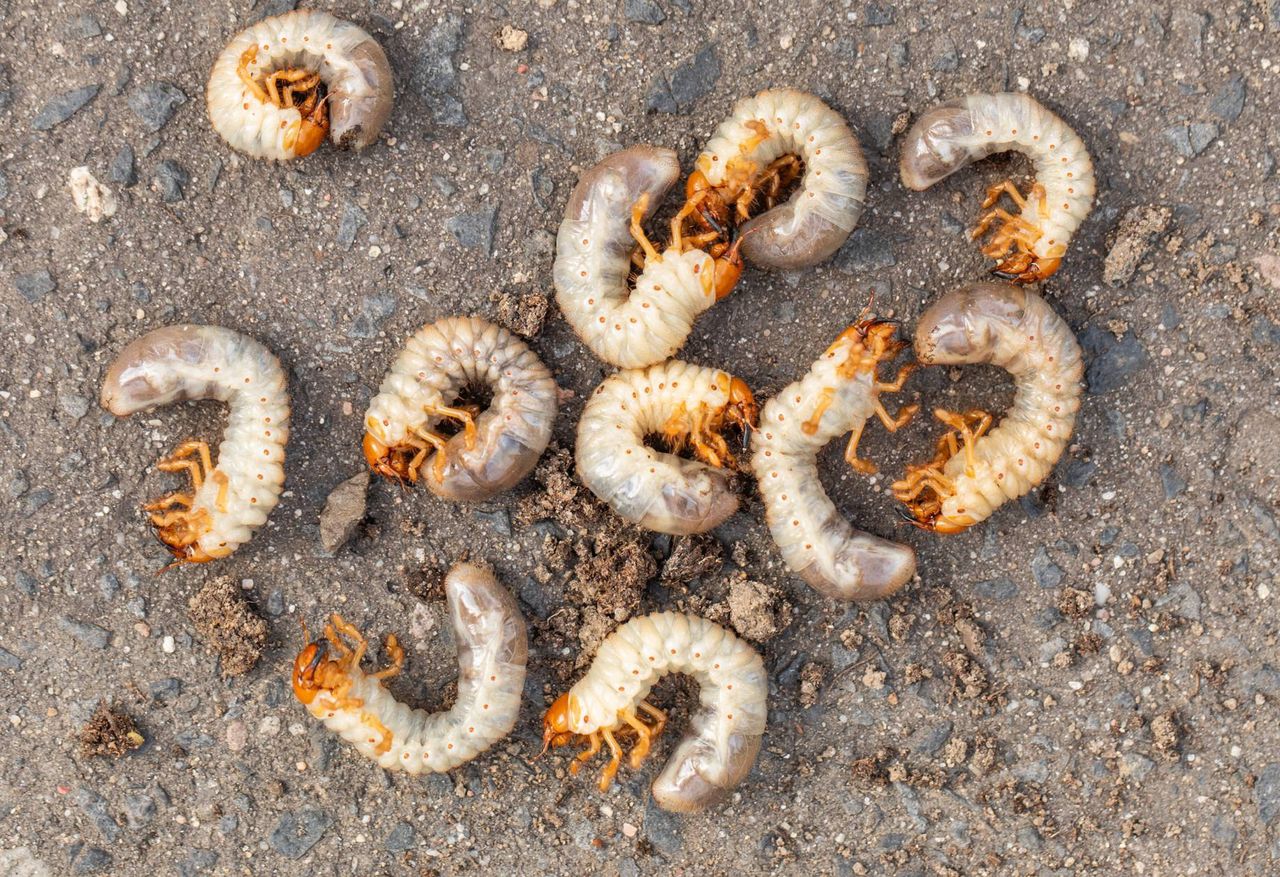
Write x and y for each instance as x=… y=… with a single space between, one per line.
x=110 y=732
x=812 y=675
x=523 y=314
x=226 y=623
x=1133 y=237
x=692 y=557
x=968 y=679
x=343 y=512
x=757 y=611
x=1075 y=603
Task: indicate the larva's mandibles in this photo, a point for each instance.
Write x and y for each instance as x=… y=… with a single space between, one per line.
x=766 y=143
x=724 y=735
x=496 y=447
x=688 y=406
x=633 y=325
x=230 y=500
x=838 y=394
x=282 y=85
x=492 y=652
x=975 y=471
x=959 y=132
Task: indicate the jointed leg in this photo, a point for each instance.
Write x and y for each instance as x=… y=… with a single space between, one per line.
x=349 y=630
x=866 y=467
x=658 y=716
x=437 y=442
x=638 y=211
x=190 y=466
x=893 y=424
x=173 y=499
x=587 y=754
x=392 y=647
x=250 y=56
x=1005 y=188
x=896 y=384
x=610 y=769
x=461 y=415
x=641 y=749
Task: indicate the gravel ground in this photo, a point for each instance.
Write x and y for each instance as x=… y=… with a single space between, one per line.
x=1085 y=684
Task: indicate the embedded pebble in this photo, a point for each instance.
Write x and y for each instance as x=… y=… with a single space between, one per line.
x=475 y=230
x=64 y=106
x=343 y=512
x=34 y=286
x=155 y=103
x=90 y=197
x=298 y=831
x=86 y=633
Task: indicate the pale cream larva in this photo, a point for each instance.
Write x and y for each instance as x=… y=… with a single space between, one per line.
x=766 y=143
x=724 y=735
x=956 y=133
x=230 y=500
x=492 y=653
x=494 y=448
x=633 y=324
x=837 y=396
x=284 y=84
x=976 y=470
x=687 y=406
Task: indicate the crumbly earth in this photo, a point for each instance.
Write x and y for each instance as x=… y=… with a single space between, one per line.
x=226 y=625
x=1087 y=683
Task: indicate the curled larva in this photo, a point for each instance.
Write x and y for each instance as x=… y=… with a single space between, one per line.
x=766 y=143
x=687 y=406
x=977 y=468
x=632 y=325
x=837 y=396
x=230 y=500
x=724 y=735
x=492 y=652
x=494 y=447
x=285 y=83
x=959 y=132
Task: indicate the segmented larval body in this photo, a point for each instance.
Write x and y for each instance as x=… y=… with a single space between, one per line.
x=627 y=326
x=492 y=653
x=232 y=499
x=954 y=134
x=496 y=447
x=260 y=114
x=687 y=405
x=976 y=471
x=812 y=224
x=836 y=396
x=724 y=735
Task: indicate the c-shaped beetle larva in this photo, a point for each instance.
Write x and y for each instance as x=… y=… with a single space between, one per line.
x=230 y=500
x=492 y=653
x=977 y=468
x=724 y=735
x=837 y=396
x=282 y=85
x=959 y=132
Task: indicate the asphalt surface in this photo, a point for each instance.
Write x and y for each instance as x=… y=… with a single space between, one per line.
x=1085 y=684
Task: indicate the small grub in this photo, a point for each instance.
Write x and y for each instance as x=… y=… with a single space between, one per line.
x=226 y=623
x=110 y=732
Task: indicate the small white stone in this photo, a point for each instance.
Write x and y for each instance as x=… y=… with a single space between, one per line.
x=1078 y=49
x=786 y=41
x=167 y=645
x=269 y=726
x=91 y=198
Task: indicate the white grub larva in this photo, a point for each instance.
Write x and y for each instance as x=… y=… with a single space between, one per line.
x=959 y=132
x=724 y=735
x=633 y=325
x=230 y=500
x=975 y=471
x=492 y=653
x=687 y=406
x=838 y=394
x=285 y=83
x=757 y=152
x=494 y=448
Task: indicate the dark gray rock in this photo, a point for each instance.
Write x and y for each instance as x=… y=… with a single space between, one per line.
x=930 y=738
x=1047 y=573
x=1112 y=361
x=879 y=16
x=139 y=810
x=95 y=807
x=374 y=311
x=948 y=61
x=1267 y=791
x=36 y=500
x=1001 y=588
x=166 y=690
x=687 y=83
x=298 y=831
x=1200 y=135
x=9 y=661
x=433 y=72
x=343 y=512
x=643 y=12
x=275 y=603
x=1078 y=473
x=108 y=585
x=123 y=167
x=401 y=838
x=34 y=286
x=1032 y=35
x=82 y=27
x=155 y=103
x=197 y=862
x=1180 y=138
x=26 y=583
x=73 y=404
x=92 y=860
x=499 y=519
x=88 y=635
x=866 y=248
x=1228 y=103
x=64 y=106
x=1172 y=483
x=353 y=218
x=475 y=231
x=171 y=181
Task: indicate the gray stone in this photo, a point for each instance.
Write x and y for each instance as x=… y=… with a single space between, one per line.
x=26 y=583
x=1001 y=588
x=1032 y=35
x=1228 y=103
x=82 y=27
x=108 y=585
x=866 y=248
x=1172 y=483
x=687 y=83
x=475 y=231
x=1112 y=361
x=166 y=690
x=197 y=862
x=37 y=500
x=1267 y=791
x=948 y=61
x=343 y=512
x=1047 y=573
x=64 y=106
x=155 y=103
x=1078 y=473
x=353 y=218
x=92 y=860
x=275 y=603
x=374 y=311
x=88 y=635
x=401 y=838
x=879 y=16
x=123 y=167
x=95 y=807
x=9 y=661
x=34 y=286
x=171 y=180
x=643 y=11
x=1180 y=138
x=139 y=810
x=1029 y=839
x=73 y=405
x=1135 y=766
x=298 y=831
x=434 y=71
x=1200 y=135
x=929 y=739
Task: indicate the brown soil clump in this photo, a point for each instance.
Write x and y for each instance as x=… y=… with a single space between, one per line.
x=110 y=732
x=226 y=623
